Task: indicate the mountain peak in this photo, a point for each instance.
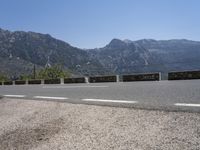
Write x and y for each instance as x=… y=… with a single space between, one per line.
x=147 y=40
x=128 y=41
x=116 y=43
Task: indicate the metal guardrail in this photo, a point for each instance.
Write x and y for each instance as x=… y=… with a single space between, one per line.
x=185 y=75
x=142 y=77
x=34 y=81
x=98 y=79
x=8 y=83
x=20 y=82
x=74 y=80
x=52 y=81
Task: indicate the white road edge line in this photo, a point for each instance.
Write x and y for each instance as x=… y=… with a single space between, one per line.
x=109 y=101
x=14 y=95
x=47 y=97
x=186 y=104
x=63 y=87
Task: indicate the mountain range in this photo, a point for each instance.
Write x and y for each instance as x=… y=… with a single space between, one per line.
x=20 y=51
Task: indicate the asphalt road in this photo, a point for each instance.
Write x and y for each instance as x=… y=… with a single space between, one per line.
x=163 y=95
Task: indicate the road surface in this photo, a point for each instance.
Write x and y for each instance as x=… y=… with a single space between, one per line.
x=163 y=95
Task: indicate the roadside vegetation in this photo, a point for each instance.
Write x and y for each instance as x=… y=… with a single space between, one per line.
x=3 y=77
x=53 y=72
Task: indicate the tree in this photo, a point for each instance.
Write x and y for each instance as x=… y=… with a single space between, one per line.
x=53 y=72
x=3 y=78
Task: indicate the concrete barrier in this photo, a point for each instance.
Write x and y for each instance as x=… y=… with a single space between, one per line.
x=20 y=82
x=52 y=81
x=184 y=75
x=34 y=81
x=74 y=80
x=142 y=77
x=98 y=79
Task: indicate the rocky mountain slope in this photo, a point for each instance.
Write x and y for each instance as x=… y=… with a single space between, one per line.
x=19 y=51
x=123 y=57
x=149 y=55
x=175 y=54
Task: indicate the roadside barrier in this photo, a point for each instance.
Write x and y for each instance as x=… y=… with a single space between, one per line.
x=74 y=80
x=52 y=81
x=184 y=75
x=8 y=83
x=98 y=79
x=20 y=82
x=34 y=81
x=142 y=77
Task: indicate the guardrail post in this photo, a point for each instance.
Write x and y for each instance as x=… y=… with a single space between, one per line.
x=160 y=76
x=61 y=81
x=42 y=81
x=117 y=78
x=86 y=80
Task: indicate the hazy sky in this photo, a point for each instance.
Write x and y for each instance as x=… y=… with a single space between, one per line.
x=93 y=23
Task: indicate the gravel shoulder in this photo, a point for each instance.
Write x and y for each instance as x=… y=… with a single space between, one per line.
x=44 y=125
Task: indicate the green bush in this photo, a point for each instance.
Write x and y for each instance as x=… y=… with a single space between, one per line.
x=3 y=78
x=53 y=72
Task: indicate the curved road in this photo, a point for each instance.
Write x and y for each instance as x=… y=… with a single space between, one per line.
x=163 y=95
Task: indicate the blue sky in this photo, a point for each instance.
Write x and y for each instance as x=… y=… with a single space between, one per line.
x=93 y=23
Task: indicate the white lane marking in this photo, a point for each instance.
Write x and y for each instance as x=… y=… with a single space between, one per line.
x=47 y=97
x=186 y=104
x=63 y=87
x=110 y=101
x=14 y=95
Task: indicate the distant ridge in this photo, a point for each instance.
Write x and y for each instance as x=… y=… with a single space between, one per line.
x=20 y=50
